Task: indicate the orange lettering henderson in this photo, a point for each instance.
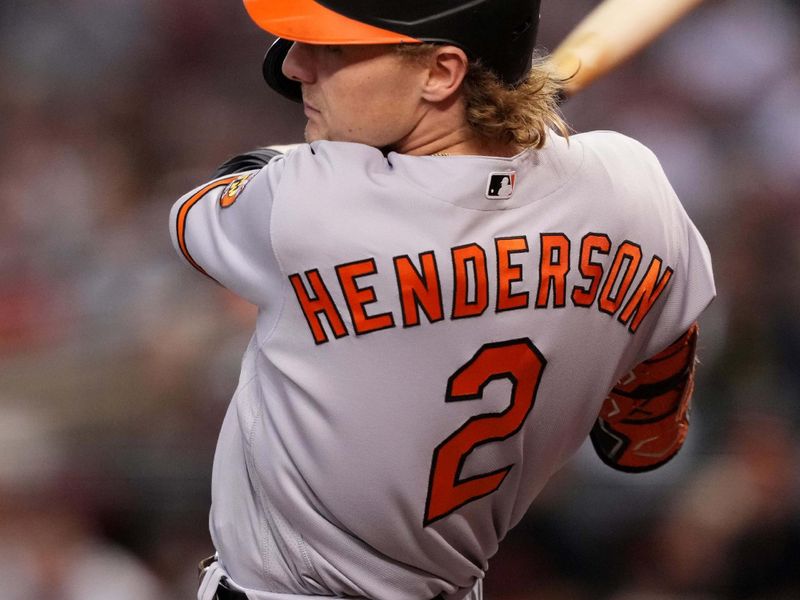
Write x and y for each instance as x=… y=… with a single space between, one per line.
x=624 y=285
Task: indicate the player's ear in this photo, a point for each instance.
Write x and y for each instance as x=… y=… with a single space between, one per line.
x=446 y=71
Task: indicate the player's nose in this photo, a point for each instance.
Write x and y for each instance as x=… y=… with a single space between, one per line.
x=298 y=64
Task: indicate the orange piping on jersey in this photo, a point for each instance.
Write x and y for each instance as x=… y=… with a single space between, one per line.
x=311 y=23
x=183 y=213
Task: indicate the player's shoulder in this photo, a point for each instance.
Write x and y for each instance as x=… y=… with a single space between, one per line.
x=622 y=158
x=325 y=156
x=613 y=144
x=608 y=140
x=626 y=173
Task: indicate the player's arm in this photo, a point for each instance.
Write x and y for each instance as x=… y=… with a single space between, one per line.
x=644 y=419
x=222 y=228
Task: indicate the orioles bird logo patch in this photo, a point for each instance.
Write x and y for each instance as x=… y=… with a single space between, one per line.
x=234 y=189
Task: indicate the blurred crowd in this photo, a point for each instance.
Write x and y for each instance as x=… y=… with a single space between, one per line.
x=117 y=362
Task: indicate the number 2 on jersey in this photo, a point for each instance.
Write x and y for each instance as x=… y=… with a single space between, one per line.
x=518 y=361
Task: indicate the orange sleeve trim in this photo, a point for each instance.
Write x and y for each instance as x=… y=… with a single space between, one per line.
x=183 y=214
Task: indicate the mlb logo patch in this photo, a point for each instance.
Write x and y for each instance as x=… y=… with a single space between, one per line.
x=501 y=185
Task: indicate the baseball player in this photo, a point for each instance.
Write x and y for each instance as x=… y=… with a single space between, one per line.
x=453 y=296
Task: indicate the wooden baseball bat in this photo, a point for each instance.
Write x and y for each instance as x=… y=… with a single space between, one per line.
x=613 y=32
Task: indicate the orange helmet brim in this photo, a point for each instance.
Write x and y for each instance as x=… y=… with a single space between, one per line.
x=309 y=22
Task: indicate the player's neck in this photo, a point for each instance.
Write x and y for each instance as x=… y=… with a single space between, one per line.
x=449 y=135
x=467 y=146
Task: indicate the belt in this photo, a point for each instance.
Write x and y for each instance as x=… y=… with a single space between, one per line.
x=225 y=592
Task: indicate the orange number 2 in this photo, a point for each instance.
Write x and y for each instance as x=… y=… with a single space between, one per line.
x=518 y=361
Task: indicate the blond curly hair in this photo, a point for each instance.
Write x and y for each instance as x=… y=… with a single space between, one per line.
x=521 y=115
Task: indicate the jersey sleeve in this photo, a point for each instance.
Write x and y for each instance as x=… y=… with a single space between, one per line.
x=645 y=417
x=692 y=287
x=222 y=229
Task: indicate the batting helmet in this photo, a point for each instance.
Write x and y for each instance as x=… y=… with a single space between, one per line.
x=501 y=33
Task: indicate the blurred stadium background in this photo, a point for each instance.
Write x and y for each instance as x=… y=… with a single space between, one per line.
x=117 y=362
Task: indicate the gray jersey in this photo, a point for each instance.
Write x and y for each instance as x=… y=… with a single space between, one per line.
x=436 y=336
